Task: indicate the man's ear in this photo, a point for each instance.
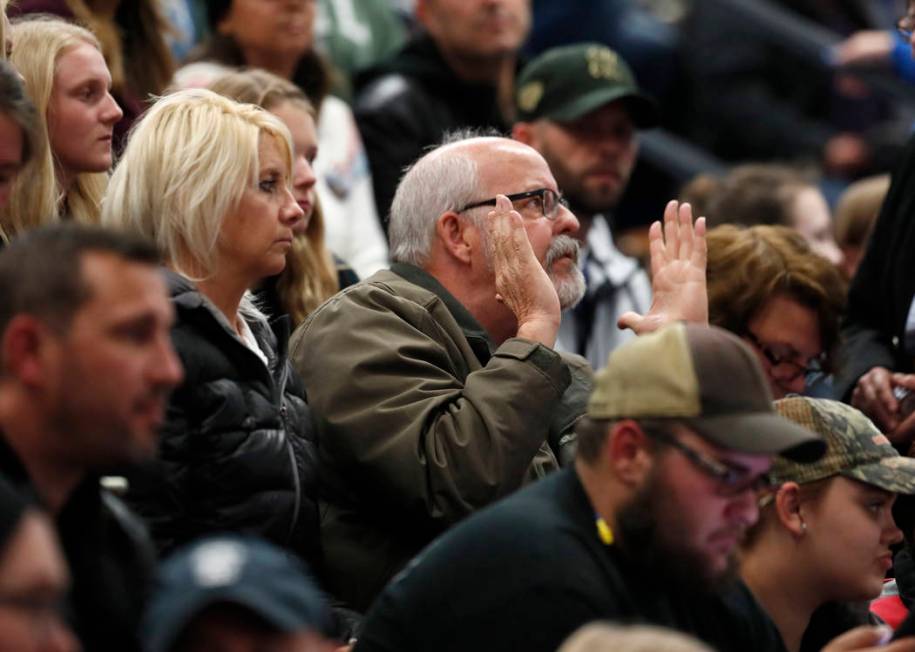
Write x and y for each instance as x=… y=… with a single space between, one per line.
x=457 y=235
x=524 y=132
x=788 y=509
x=628 y=452
x=24 y=347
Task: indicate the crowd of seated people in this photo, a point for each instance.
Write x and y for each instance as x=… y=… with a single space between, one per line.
x=307 y=355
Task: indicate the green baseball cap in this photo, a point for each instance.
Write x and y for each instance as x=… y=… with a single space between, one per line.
x=855 y=448
x=567 y=82
x=708 y=379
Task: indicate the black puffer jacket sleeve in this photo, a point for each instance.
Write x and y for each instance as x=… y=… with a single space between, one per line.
x=237 y=452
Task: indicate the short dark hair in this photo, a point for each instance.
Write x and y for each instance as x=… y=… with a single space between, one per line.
x=591 y=434
x=16 y=104
x=216 y=11
x=41 y=275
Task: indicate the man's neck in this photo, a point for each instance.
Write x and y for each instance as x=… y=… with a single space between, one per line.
x=602 y=495
x=497 y=71
x=780 y=590
x=51 y=473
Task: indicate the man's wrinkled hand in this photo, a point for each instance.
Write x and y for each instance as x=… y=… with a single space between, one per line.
x=678 y=254
x=521 y=282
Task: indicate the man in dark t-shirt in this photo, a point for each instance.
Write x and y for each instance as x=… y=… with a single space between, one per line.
x=679 y=436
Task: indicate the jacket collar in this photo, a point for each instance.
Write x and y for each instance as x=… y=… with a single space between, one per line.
x=476 y=336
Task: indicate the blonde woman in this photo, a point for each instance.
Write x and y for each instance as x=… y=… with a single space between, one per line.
x=311 y=275
x=209 y=180
x=67 y=79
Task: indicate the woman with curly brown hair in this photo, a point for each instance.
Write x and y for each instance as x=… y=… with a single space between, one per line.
x=767 y=285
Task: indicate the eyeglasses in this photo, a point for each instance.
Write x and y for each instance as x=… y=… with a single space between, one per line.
x=548 y=200
x=732 y=481
x=786 y=358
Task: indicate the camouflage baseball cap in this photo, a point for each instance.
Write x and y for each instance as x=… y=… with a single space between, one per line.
x=567 y=82
x=708 y=379
x=855 y=448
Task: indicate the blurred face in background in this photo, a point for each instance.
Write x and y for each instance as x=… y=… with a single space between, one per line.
x=474 y=29
x=305 y=149
x=33 y=582
x=267 y=29
x=812 y=219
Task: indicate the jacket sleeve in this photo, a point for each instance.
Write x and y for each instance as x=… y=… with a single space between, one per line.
x=881 y=291
x=404 y=425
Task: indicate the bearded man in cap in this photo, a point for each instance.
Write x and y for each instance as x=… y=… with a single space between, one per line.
x=679 y=436
x=581 y=108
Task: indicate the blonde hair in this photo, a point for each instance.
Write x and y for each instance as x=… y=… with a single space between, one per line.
x=36 y=199
x=310 y=276
x=186 y=166
x=132 y=43
x=858 y=208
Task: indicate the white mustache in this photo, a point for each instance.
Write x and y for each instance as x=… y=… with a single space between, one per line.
x=562 y=245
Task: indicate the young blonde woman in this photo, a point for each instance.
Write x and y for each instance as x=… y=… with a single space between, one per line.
x=67 y=79
x=312 y=274
x=823 y=537
x=210 y=181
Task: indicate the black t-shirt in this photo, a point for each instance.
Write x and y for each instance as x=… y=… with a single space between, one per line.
x=527 y=572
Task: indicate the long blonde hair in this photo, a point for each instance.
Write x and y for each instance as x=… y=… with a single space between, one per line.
x=36 y=198
x=186 y=166
x=310 y=276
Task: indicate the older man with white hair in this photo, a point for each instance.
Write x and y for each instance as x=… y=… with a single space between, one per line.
x=435 y=384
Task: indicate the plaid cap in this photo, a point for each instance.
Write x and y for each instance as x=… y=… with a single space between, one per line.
x=238 y=570
x=567 y=82
x=706 y=378
x=855 y=448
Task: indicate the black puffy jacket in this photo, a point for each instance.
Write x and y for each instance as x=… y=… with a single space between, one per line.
x=237 y=452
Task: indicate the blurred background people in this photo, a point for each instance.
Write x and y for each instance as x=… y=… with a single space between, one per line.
x=33 y=579
x=67 y=79
x=279 y=37
x=766 y=285
x=856 y=212
x=87 y=366
x=20 y=131
x=312 y=274
x=457 y=72
x=236 y=593
x=753 y=194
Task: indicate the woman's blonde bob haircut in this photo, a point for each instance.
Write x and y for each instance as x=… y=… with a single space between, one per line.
x=36 y=198
x=186 y=166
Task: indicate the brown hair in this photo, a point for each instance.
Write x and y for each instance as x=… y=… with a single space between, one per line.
x=748 y=266
x=310 y=275
x=752 y=194
x=133 y=44
x=858 y=208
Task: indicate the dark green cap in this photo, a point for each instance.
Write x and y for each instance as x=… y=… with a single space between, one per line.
x=567 y=82
x=855 y=448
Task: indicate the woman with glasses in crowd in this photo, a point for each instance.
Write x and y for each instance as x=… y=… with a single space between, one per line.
x=766 y=285
x=67 y=79
x=824 y=535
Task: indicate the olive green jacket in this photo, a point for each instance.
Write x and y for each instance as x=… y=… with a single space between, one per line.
x=421 y=420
